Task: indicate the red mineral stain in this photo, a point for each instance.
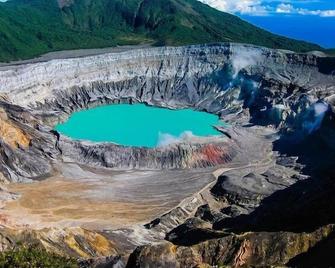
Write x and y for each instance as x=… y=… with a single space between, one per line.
x=214 y=154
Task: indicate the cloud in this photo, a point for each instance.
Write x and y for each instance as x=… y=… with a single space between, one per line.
x=290 y=9
x=269 y=7
x=242 y=6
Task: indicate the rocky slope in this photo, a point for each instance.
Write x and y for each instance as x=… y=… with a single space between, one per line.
x=279 y=105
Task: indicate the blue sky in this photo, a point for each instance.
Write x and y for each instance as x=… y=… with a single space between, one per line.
x=310 y=20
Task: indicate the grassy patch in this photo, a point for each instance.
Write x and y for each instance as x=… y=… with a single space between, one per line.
x=34 y=257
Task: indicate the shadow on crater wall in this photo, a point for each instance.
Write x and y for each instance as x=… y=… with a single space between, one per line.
x=307 y=204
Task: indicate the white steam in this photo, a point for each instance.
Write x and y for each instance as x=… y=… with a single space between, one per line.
x=165 y=139
x=320 y=110
x=244 y=58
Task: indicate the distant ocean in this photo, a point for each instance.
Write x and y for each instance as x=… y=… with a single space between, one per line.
x=319 y=30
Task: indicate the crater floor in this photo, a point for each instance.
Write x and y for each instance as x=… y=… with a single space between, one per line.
x=100 y=198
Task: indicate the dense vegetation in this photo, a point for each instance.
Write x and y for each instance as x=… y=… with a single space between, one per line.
x=32 y=27
x=33 y=257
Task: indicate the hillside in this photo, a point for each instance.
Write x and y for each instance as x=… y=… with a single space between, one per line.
x=32 y=27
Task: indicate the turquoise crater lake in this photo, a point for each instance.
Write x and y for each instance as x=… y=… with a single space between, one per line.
x=138 y=125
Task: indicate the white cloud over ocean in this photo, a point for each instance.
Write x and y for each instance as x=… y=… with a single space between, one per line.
x=290 y=9
x=319 y=8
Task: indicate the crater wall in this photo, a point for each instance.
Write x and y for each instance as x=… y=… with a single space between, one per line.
x=265 y=86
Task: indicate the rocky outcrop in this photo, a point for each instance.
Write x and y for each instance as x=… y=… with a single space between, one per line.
x=75 y=242
x=246 y=250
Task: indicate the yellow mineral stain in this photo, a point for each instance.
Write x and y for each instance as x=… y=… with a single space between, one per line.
x=12 y=134
x=99 y=243
x=73 y=244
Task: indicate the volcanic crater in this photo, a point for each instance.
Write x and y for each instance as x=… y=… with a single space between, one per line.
x=69 y=195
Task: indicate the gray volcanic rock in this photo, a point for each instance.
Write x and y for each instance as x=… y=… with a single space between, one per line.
x=192 y=232
x=247 y=187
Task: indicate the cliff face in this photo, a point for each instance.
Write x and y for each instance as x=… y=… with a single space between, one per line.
x=280 y=108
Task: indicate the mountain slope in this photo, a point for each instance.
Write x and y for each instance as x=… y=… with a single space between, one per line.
x=31 y=27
